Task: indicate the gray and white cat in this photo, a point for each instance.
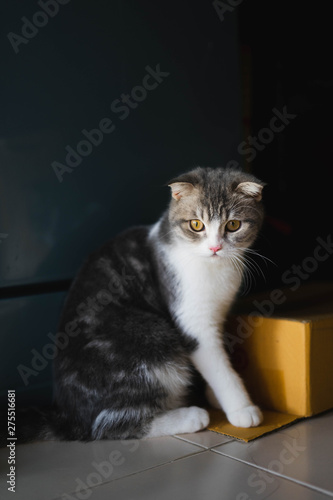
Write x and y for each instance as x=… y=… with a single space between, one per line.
x=146 y=313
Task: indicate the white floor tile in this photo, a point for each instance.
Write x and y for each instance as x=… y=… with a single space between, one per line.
x=303 y=452
x=205 y=476
x=48 y=470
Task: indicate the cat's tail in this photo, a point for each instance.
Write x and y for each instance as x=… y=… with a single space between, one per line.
x=31 y=424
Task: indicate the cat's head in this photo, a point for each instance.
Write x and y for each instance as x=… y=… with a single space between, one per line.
x=215 y=212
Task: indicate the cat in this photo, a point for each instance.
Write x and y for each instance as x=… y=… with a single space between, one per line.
x=146 y=312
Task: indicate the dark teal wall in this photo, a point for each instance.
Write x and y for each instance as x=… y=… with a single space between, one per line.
x=68 y=76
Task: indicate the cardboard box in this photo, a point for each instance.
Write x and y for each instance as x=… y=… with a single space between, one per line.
x=285 y=360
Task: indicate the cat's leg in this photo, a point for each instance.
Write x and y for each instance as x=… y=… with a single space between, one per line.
x=212 y=362
x=179 y=421
x=211 y=398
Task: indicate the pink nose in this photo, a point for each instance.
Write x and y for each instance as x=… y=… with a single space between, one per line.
x=215 y=249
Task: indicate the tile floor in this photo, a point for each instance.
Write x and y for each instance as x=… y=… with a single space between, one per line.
x=293 y=463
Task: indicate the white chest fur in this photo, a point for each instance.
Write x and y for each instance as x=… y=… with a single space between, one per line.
x=206 y=289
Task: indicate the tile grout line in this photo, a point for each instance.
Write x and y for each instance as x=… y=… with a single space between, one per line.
x=92 y=488
x=184 y=440
x=273 y=473
x=201 y=445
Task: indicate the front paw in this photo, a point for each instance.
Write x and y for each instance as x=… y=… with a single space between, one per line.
x=250 y=416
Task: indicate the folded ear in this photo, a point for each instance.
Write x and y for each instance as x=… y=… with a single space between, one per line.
x=180 y=189
x=252 y=189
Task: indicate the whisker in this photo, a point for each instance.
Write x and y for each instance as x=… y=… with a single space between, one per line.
x=251 y=267
x=240 y=265
x=255 y=252
x=254 y=266
x=245 y=273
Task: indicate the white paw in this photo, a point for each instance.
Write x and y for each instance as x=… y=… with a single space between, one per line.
x=195 y=419
x=250 y=416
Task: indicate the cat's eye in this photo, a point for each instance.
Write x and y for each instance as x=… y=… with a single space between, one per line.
x=233 y=225
x=197 y=225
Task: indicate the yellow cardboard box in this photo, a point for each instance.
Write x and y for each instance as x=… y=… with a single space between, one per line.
x=285 y=360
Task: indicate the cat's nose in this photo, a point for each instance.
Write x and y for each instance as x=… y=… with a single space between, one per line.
x=215 y=249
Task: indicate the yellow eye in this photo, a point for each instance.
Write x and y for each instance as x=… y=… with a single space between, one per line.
x=233 y=225
x=197 y=225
